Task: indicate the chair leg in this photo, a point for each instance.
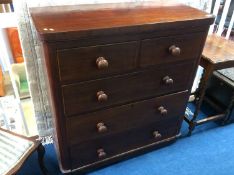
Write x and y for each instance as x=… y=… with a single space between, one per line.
x=41 y=153
x=229 y=110
x=199 y=97
x=191 y=128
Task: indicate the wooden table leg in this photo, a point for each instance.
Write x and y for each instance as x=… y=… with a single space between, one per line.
x=229 y=110
x=200 y=94
x=41 y=153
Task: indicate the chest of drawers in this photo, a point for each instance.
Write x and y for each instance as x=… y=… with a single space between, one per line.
x=119 y=76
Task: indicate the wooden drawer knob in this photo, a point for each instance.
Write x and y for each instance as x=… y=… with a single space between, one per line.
x=162 y=110
x=101 y=127
x=101 y=96
x=174 y=50
x=102 y=63
x=167 y=80
x=157 y=134
x=101 y=153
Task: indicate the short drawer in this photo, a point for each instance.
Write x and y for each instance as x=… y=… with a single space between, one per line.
x=113 y=120
x=98 y=94
x=171 y=49
x=92 y=62
x=113 y=145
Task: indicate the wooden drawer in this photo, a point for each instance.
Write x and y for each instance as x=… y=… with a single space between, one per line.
x=96 y=61
x=160 y=50
x=106 y=122
x=82 y=97
x=112 y=145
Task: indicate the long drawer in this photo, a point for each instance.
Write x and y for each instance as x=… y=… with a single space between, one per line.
x=107 y=122
x=92 y=62
x=109 y=146
x=94 y=95
x=170 y=49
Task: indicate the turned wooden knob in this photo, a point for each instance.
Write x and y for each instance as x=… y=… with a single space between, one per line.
x=157 y=134
x=162 y=110
x=101 y=96
x=102 y=63
x=167 y=80
x=174 y=50
x=101 y=127
x=101 y=153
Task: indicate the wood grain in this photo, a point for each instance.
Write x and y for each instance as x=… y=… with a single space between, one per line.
x=219 y=52
x=122 y=142
x=86 y=20
x=84 y=127
x=155 y=51
x=79 y=64
x=81 y=97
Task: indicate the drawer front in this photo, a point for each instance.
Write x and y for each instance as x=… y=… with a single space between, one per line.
x=94 y=95
x=96 y=61
x=109 y=146
x=107 y=122
x=170 y=49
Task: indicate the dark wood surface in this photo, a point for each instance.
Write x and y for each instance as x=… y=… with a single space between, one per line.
x=122 y=142
x=54 y=96
x=82 y=97
x=157 y=50
x=84 y=127
x=148 y=50
x=5 y=1
x=79 y=64
x=124 y=155
x=120 y=17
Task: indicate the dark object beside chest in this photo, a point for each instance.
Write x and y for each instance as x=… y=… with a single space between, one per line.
x=220 y=89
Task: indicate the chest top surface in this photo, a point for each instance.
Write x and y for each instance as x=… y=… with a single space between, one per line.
x=53 y=22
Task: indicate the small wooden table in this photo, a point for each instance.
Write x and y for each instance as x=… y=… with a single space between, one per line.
x=15 y=149
x=218 y=54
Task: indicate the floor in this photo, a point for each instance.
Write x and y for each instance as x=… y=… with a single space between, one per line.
x=209 y=151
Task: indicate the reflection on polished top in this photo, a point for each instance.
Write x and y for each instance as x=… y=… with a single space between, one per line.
x=214 y=49
x=50 y=21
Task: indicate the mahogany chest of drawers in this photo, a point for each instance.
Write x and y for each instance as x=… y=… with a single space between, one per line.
x=119 y=76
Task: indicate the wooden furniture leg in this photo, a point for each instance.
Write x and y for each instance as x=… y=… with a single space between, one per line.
x=41 y=153
x=19 y=149
x=217 y=55
x=200 y=95
x=229 y=110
